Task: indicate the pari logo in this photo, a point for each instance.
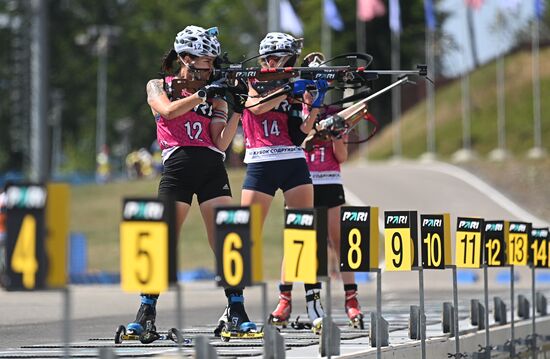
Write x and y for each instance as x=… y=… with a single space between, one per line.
x=518 y=227
x=25 y=197
x=539 y=233
x=494 y=227
x=143 y=210
x=245 y=74
x=326 y=76
x=432 y=222
x=239 y=216
x=299 y=219
x=465 y=224
x=397 y=220
x=355 y=216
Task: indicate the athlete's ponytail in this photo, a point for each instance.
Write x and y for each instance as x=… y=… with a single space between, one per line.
x=168 y=60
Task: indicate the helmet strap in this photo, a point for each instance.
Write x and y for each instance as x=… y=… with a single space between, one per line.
x=195 y=73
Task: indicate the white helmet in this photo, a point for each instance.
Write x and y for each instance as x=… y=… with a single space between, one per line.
x=198 y=41
x=280 y=41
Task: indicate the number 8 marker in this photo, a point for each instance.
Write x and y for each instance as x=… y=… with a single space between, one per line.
x=359 y=244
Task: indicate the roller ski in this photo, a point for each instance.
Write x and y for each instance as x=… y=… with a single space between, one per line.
x=353 y=310
x=143 y=328
x=149 y=336
x=315 y=310
x=234 y=322
x=281 y=314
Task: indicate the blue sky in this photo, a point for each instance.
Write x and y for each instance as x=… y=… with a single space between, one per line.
x=489 y=41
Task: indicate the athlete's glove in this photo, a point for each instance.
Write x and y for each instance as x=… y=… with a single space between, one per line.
x=301 y=86
x=322 y=88
x=237 y=95
x=215 y=89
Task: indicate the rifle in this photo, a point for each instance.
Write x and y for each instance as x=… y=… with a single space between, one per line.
x=343 y=122
x=353 y=75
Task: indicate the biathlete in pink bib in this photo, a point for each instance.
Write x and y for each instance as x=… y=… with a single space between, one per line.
x=193 y=131
x=273 y=156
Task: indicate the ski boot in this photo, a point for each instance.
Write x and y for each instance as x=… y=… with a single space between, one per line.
x=314 y=309
x=143 y=328
x=145 y=317
x=234 y=322
x=281 y=314
x=353 y=310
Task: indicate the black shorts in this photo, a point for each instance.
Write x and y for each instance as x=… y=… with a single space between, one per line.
x=268 y=177
x=328 y=195
x=194 y=170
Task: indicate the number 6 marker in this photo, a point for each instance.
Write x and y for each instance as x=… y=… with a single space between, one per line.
x=238 y=246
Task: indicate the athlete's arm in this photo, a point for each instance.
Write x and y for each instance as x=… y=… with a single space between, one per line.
x=223 y=130
x=254 y=98
x=340 y=149
x=160 y=104
x=309 y=122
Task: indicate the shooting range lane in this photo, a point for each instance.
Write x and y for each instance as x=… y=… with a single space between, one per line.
x=97 y=310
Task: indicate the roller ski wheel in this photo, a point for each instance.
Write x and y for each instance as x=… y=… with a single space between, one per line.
x=123 y=334
x=357 y=322
x=317 y=326
x=219 y=329
x=120 y=334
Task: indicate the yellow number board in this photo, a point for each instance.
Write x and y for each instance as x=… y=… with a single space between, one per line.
x=518 y=243
x=305 y=245
x=25 y=237
x=495 y=240
x=359 y=239
x=147 y=246
x=469 y=238
x=538 y=250
x=300 y=247
x=238 y=246
x=401 y=240
x=435 y=234
x=144 y=256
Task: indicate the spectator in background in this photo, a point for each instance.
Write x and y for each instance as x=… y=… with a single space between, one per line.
x=103 y=171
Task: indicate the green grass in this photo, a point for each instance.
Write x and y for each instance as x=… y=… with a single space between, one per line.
x=96 y=212
x=519 y=113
